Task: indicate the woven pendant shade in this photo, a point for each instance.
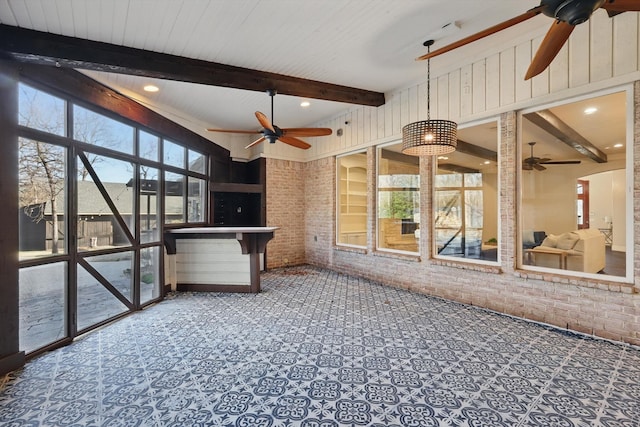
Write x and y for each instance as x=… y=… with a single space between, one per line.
x=429 y=137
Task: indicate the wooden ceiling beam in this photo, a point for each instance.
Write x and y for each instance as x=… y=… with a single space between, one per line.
x=552 y=124
x=477 y=151
x=399 y=157
x=38 y=47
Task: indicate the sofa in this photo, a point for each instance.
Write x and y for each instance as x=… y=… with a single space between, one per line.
x=579 y=250
x=531 y=238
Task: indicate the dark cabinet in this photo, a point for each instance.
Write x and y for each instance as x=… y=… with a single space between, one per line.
x=237 y=209
x=237 y=194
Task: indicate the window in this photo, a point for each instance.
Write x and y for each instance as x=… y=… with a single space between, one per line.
x=173 y=154
x=40 y=110
x=150 y=273
x=149 y=205
x=197 y=162
x=186 y=191
x=398 y=199
x=352 y=196
x=576 y=202
x=196 y=198
x=105 y=203
x=112 y=192
x=174 y=197
x=42 y=305
x=148 y=146
x=466 y=196
x=42 y=199
x=102 y=131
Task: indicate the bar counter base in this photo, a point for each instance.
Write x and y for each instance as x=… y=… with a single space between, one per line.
x=217 y=264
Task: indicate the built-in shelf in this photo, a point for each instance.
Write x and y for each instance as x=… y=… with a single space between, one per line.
x=353 y=206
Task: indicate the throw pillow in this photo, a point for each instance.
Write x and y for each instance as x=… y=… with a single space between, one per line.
x=567 y=241
x=551 y=241
x=527 y=237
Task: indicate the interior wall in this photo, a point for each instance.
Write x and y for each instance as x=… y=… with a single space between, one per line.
x=319 y=226
x=607 y=199
x=286 y=209
x=618 y=190
x=554 y=187
x=600 y=198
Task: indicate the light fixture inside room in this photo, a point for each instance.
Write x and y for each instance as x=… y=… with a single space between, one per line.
x=151 y=88
x=305 y=104
x=429 y=137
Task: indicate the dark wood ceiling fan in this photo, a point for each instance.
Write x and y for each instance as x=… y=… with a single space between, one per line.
x=533 y=162
x=566 y=14
x=273 y=133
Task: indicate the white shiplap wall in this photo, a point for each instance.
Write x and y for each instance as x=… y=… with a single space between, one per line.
x=602 y=53
x=211 y=262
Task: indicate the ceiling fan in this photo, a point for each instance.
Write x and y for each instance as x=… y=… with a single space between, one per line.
x=273 y=133
x=533 y=162
x=566 y=13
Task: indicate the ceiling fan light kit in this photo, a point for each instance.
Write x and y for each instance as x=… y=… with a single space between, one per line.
x=429 y=137
x=273 y=133
x=532 y=162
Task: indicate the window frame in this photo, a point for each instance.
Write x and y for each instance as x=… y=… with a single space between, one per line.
x=628 y=91
x=498 y=165
x=378 y=247
x=73 y=258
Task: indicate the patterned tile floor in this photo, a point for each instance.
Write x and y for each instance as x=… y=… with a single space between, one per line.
x=318 y=348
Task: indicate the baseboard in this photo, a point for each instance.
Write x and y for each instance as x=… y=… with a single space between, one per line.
x=11 y=362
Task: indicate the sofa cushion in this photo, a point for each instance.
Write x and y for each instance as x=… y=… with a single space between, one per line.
x=567 y=241
x=551 y=241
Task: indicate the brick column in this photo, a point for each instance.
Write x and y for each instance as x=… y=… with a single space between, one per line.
x=508 y=198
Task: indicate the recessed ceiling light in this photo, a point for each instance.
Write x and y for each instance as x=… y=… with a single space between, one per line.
x=618 y=145
x=487 y=162
x=590 y=110
x=305 y=104
x=151 y=88
x=443 y=158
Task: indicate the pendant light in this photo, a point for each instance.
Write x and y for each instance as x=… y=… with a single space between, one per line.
x=429 y=137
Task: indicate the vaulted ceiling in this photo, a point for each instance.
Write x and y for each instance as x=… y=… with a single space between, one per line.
x=363 y=44
x=213 y=59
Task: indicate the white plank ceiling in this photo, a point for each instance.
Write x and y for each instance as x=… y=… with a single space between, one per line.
x=369 y=44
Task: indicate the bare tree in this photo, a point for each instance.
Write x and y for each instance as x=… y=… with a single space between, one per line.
x=41 y=165
x=101 y=131
x=42 y=174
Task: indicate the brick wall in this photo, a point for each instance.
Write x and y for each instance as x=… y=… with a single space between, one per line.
x=607 y=309
x=320 y=232
x=286 y=209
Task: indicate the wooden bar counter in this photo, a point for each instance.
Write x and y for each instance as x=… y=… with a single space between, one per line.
x=216 y=259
